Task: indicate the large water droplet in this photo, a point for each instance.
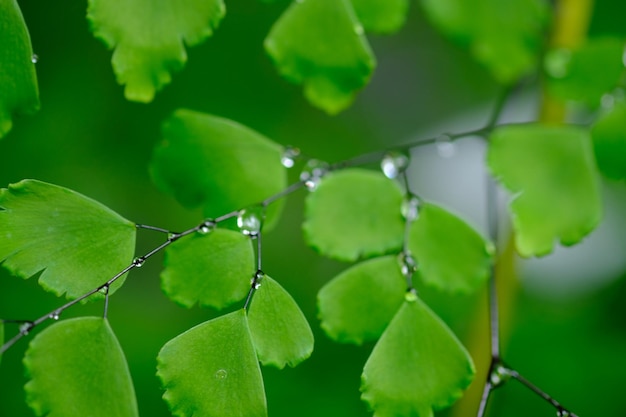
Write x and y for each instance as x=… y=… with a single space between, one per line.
x=313 y=172
x=289 y=157
x=408 y=264
x=207 y=227
x=250 y=220
x=445 y=146
x=394 y=163
x=221 y=374
x=410 y=208
x=556 y=62
x=499 y=375
x=34 y=58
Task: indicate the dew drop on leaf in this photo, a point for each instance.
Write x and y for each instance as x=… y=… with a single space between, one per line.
x=221 y=374
x=445 y=147
x=410 y=208
x=411 y=295
x=394 y=163
x=313 y=172
x=250 y=220
x=290 y=154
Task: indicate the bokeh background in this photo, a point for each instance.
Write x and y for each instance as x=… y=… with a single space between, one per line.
x=563 y=318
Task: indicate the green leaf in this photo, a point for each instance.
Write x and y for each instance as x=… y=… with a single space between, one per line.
x=280 y=332
x=609 y=142
x=218 y=164
x=417 y=366
x=505 y=36
x=381 y=16
x=211 y=370
x=358 y=304
x=354 y=213
x=551 y=173
x=148 y=49
x=320 y=43
x=451 y=255
x=77 y=368
x=587 y=73
x=211 y=270
x=18 y=81
x=75 y=242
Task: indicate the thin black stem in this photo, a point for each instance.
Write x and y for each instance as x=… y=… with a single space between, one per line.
x=292 y=188
x=106 y=302
x=153 y=228
x=538 y=391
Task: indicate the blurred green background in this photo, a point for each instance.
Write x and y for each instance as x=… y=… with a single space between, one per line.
x=87 y=137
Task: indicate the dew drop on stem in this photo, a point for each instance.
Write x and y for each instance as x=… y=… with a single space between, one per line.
x=55 y=315
x=34 y=58
x=206 y=227
x=394 y=163
x=408 y=264
x=290 y=154
x=410 y=208
x=445 y=146
x=250 y=220
x=313 y=172
x=500 y=374
x=257 y=280
x=138 y=262
x=26 y=327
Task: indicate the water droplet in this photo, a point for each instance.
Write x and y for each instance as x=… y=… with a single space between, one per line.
x=561 y=412
x=445 y=146
x=171 y=236
x=394 y=163
x=499 y=375
x=34 y=58
x=26 y=327
x=206 y=227
x=358 y=29
x=410 y=208
x=411 y=295
x=556 y=62
x=221 y=374
x=104 y=290
x=608 y=101
x=408 y=264
x=138 y=262
x=257 y=279
x=289 y=157
x=250 y=220
x=312 y=173
x=55 y=315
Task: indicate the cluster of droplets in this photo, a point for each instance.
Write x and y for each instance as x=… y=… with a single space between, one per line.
x=394 y=163
x=250 y=220
x=313 y=172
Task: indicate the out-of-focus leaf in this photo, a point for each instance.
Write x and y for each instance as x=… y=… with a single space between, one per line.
x=75 y=242
x=18 y=81
x=280 y=332
x=212 y=370
x=551 y=172
x=451 y=255
x=586 y=73
x=505 y=36
x=76 y=369
x=359 y=303
x=381 y=16
x=208 y=161
x=609 y=142
x=1 y=336
x=149 y=38
x=212 y=270
x=354 y=213
x=417 y=366
x=320 y=43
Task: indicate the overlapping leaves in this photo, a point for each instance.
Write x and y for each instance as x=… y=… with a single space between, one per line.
x=148 y=49
x=76 y=368
x=211 y=270
x=552 y=174
x=74 y=242
x=217 y=164
x=320 y=44
x=18 y=82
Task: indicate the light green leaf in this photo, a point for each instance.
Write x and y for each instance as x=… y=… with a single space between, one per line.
x=354 y=213
x=320 y=43
x=586 y=73
x=218 y=164
x=75 y=242
x=77 y=368
x=18 y=81
x=609 y=142
x=451 y=255
x=211 y=370
x=417 y=366
x=551 y=173
x=212 y=270
x=505 y=36
x=381 y=16
x=280 y=332
x=358 y=304
x=149 y=48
